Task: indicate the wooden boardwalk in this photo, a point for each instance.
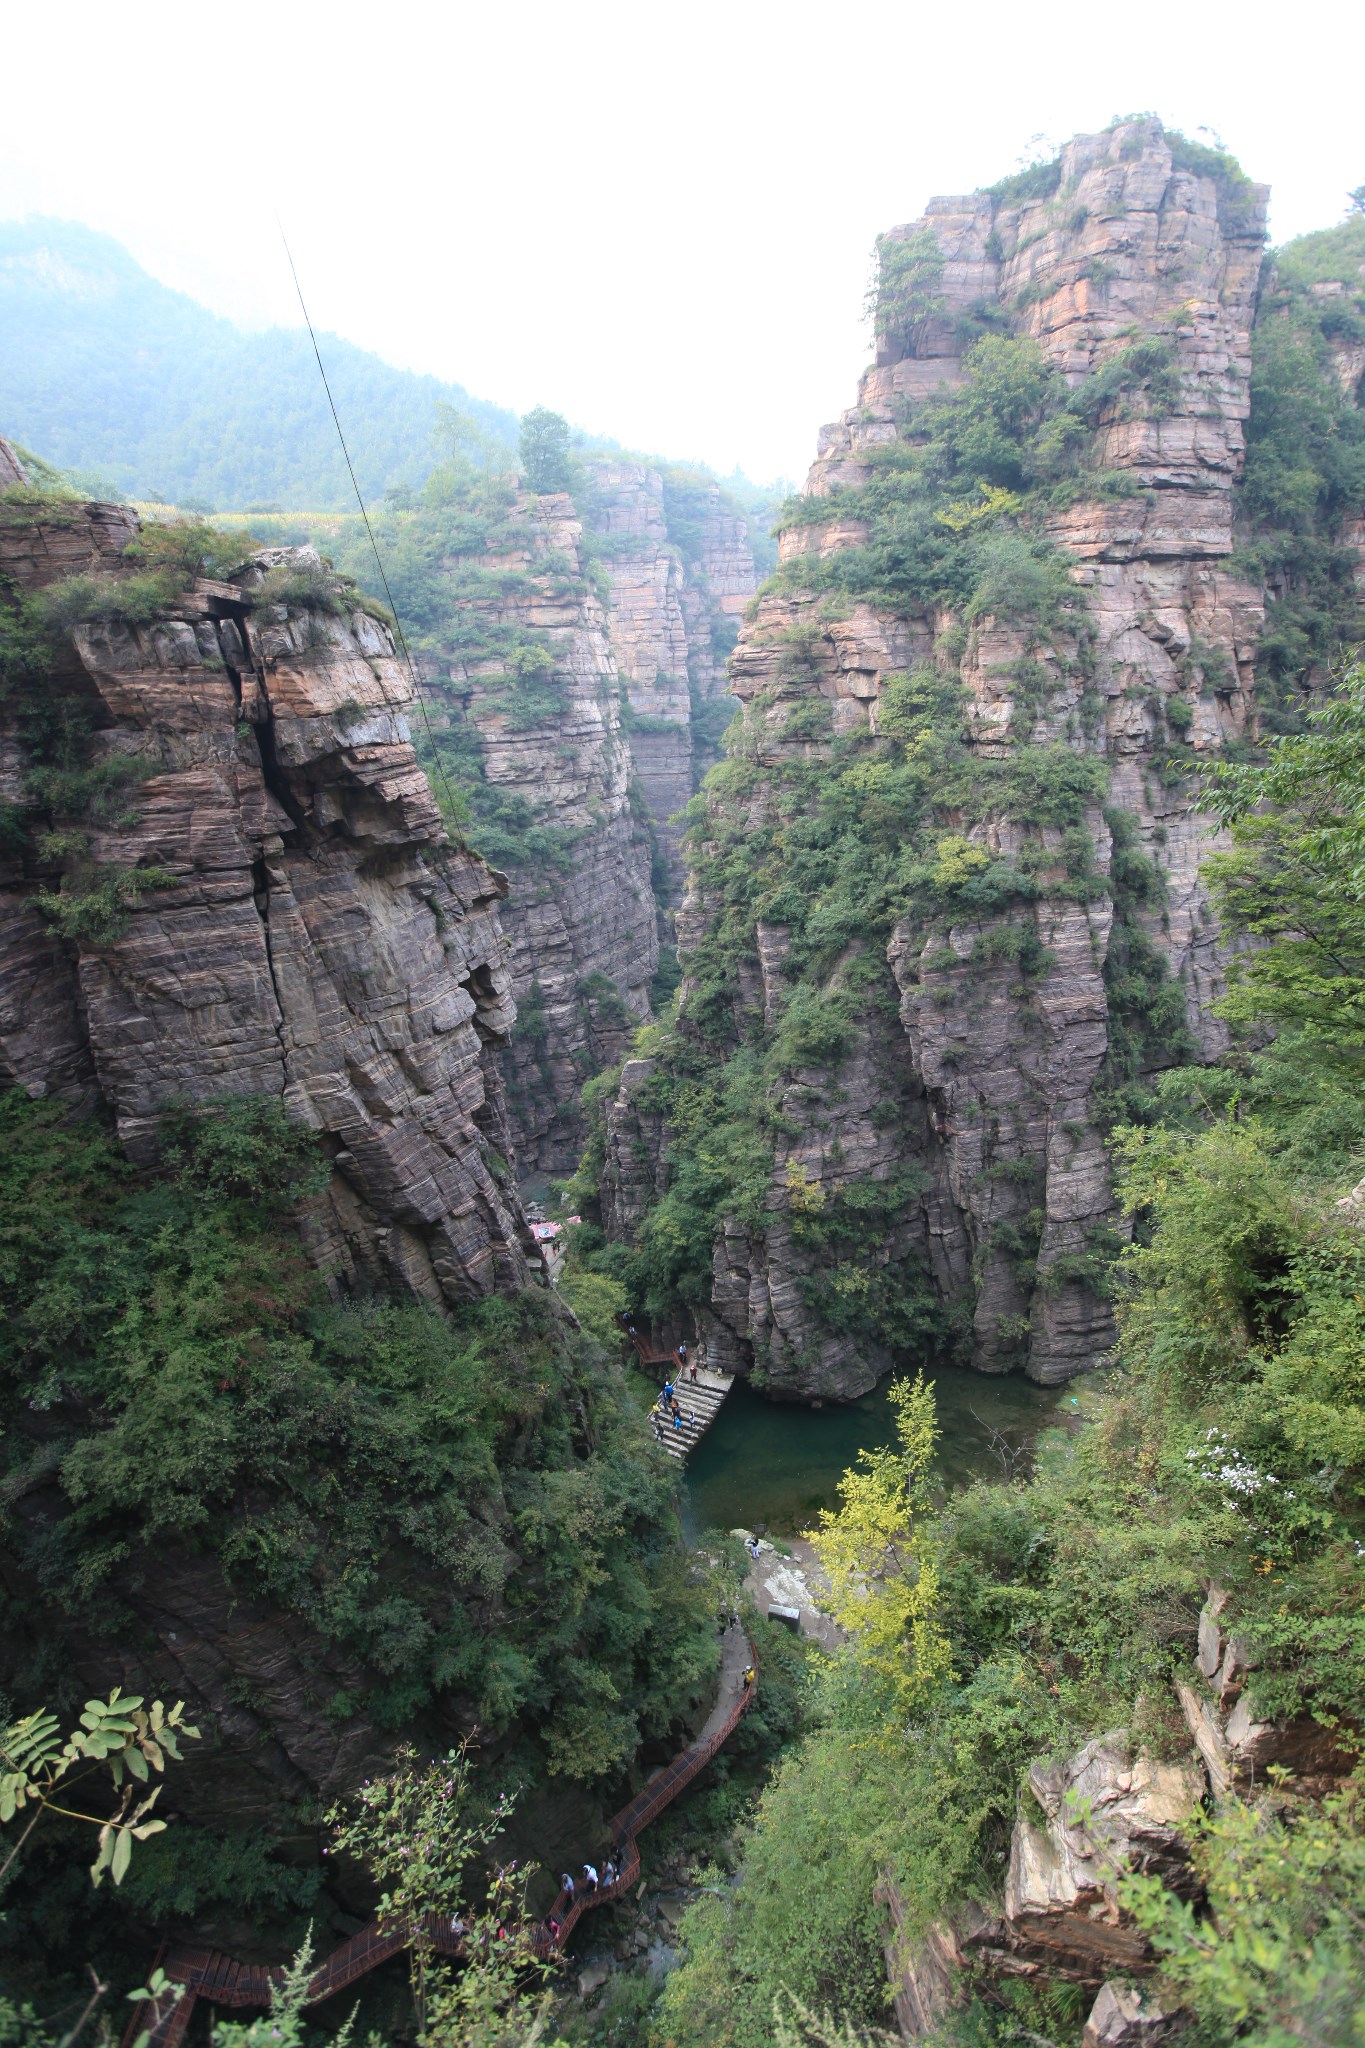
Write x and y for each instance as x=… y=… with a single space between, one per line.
x=699 y=1398
x=208 y=1973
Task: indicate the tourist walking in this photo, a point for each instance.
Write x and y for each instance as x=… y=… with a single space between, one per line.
x=589 y=1878
x=566 y=1886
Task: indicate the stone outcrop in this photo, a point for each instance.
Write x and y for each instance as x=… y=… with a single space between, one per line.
x=1084 y=1825
x=1101 y=1815
x=649 y=638
x=995 y=1102
x=1126 y=2016
x=635 y=1171
x=293 y=921
x=1238 y=1744
x=599 y=748
x=580 y=920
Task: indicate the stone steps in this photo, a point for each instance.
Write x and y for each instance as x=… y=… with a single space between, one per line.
x=700 y=1401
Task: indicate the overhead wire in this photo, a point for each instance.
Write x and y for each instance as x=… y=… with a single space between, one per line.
x=399 y=634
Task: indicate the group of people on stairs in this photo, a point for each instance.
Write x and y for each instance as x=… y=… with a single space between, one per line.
x=589 y=1884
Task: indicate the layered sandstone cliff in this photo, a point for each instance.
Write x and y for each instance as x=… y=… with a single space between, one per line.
x=285 y=913
x=672 y=611
x=980 y=1079
x=574 y=649
x=531 y=680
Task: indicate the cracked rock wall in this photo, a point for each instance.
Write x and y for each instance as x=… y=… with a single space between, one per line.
x=313 y=934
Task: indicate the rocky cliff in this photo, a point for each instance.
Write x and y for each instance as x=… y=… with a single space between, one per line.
x=228 y=876
x=678 y=586
x=523 y=681
x=1007 y=627
x=573 y=657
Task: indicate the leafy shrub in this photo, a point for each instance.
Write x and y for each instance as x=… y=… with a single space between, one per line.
x=94 y=906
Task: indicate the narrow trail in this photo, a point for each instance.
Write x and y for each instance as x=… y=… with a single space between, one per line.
x=208 y=1973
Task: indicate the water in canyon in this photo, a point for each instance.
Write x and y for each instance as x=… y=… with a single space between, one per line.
x=777 y=1464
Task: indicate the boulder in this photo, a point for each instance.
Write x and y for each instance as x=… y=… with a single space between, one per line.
x=1100 y=1816
x=1125 y=2017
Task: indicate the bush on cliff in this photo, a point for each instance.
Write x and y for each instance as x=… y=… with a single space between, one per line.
x=172 y=1368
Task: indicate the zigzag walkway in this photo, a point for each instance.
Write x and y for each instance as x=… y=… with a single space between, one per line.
x=208 y=1973
x=699 y=1397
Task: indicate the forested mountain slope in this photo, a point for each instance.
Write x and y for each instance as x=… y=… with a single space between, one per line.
x=104 y=370
x=1088 y=1769
x=293 y=1429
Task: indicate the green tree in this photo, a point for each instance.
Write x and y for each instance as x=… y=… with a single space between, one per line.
x=1275 y=1959
x=906 y=288
x=546 y=463
x=414 y=1834
x=883 y=1578
x=1295 y=879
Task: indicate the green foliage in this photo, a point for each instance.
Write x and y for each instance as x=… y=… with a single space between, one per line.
x=86 y=600
x=405 y=1484
x=1238 y=203
x=1275 y=1958
x=412 y=1832
x=1034 y=181
x=310 y=585
x=546 y=461
x=94 y=905
x=1305 y=469
x=1296 y=876
x=187 y=548
x=243 y=1148
x=133 y=1740
x=882 y=1574
x=955 y=507
x=907 y=287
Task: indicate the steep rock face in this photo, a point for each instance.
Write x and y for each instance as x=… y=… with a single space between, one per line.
x=649 y=638
x=1145 y=669
x=294 y=921
x=580 y=920
x=671 y=617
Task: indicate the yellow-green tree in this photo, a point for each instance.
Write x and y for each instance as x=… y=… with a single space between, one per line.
x=876 y=1552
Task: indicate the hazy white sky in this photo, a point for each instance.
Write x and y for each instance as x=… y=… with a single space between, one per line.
x=654 y=219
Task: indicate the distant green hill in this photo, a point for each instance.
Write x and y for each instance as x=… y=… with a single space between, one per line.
x=104 y=370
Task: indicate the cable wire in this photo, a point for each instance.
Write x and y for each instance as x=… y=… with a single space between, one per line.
x=401 y=636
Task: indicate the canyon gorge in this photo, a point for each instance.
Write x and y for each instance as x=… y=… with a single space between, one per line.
x=843 y=929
